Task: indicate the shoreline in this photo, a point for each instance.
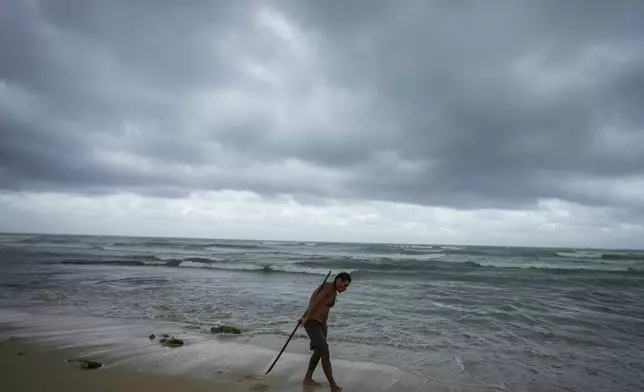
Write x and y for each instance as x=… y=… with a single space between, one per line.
x=205 y=362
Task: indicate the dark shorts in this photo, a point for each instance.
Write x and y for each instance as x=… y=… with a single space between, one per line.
x=317 y=333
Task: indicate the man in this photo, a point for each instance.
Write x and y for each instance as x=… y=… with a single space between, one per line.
x=314 y=322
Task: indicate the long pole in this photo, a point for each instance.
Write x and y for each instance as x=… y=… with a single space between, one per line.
x=297 y=326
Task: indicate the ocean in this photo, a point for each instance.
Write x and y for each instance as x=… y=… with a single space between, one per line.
x=416 y=317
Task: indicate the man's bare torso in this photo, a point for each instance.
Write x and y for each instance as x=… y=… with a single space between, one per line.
x=328 y=293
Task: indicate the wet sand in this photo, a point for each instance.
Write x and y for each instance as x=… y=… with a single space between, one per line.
x=132 y=361
x=31 y=367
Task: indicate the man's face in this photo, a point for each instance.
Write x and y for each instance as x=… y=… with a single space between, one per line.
x=341 y=285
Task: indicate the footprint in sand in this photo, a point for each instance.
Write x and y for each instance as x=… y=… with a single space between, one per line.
x=258 y=386
x=248 y=378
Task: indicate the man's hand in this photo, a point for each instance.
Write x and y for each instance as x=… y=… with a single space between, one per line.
x=303 y=320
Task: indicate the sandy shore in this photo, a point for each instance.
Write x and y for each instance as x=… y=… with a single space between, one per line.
x=132 y=361
x=28 y=367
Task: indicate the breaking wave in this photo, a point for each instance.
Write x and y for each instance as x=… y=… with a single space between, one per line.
x=316 y=257
x=363 y=265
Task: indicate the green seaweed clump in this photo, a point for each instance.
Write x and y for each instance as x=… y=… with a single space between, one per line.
x=225 y=329
x=86 y=363
x=171 y=342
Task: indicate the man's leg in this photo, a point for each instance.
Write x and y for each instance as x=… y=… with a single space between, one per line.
x=313 y=363
x=315 y=359
x=317 y=333
x=328 y=372
x=316 y=336
x=322 y=350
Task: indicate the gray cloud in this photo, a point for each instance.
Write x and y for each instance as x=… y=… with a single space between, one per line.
x=467 y=105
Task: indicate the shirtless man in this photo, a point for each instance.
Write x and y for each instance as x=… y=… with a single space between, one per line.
x=314 y=322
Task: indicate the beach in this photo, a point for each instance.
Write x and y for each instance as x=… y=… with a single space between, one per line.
x=32 y=367
x=48 y=344
x=415 y=318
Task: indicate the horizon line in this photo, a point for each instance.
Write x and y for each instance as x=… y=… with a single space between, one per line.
x=2 y=232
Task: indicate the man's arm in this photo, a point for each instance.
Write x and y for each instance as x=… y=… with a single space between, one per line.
x=321 y=295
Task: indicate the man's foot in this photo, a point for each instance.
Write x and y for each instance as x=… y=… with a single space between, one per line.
x=335 y=388
x=309 y=382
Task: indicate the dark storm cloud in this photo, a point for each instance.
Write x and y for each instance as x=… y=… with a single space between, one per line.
x=448 y=74
x=472 y=104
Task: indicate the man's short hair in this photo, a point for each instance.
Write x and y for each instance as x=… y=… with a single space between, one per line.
x=344 y=276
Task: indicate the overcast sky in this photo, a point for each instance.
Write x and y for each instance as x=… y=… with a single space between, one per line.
x=480 y=122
